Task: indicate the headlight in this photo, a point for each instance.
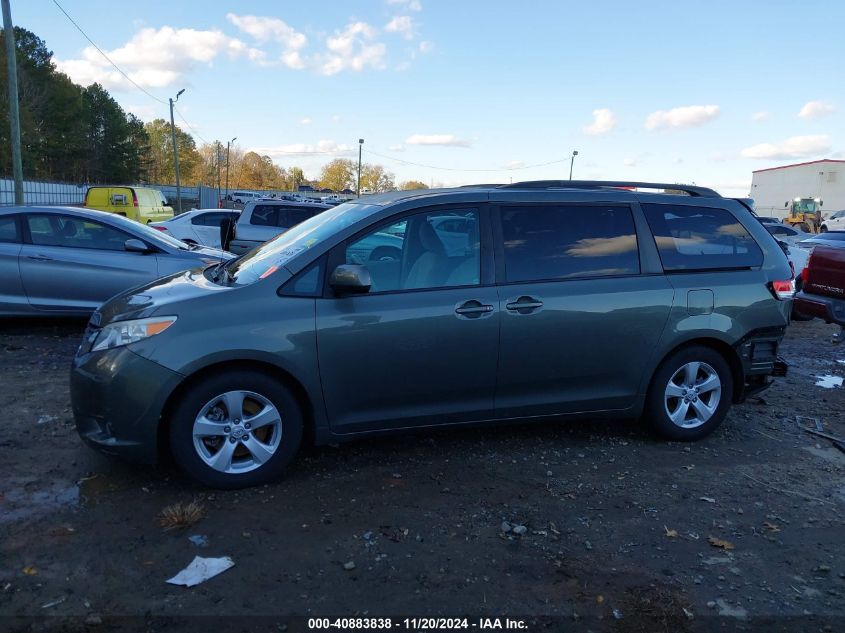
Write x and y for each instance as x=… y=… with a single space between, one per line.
x=122 y=333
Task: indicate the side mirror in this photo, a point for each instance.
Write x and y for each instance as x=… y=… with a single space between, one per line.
x=134 y=245
x=351 y=279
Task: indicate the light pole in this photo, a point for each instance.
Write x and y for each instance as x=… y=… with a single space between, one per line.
x=572 y=163
x=218 y=147
x=360 y=146
x=14 y=112
x=227 y=164
x=176 y=153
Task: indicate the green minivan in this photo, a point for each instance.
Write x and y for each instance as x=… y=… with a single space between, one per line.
x=524 y=301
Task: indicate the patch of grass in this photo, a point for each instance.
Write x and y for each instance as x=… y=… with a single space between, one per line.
x=181 y=515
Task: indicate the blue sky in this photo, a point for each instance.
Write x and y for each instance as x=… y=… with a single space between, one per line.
x=689 y=91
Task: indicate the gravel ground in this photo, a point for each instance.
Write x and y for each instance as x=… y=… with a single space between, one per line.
x=591 y=523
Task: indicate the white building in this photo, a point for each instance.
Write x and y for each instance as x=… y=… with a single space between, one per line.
x=824 y=179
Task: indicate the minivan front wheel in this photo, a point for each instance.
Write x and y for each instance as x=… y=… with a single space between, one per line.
x=235 y=429
x=690 y=394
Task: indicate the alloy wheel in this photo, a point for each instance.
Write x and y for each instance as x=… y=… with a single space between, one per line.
x=237 y=431
x=692 y=395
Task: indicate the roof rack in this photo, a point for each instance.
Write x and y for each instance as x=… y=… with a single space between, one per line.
x=692 y=190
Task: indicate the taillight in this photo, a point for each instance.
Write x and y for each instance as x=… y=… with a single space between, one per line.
x=159 y=228
x=783 y=289
x=134 y=198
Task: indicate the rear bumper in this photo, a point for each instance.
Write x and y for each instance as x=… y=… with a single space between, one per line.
x=758 y=355
x=830 y=309
x=117 y=398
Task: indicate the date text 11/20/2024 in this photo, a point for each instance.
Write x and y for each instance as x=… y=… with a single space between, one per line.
x=418 y=624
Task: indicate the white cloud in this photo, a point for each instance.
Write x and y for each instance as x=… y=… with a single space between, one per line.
x=397 y=148
x=265 y=29
x=352 y=48
x=145 y=112
x=794 y=147
x=683 y=117
x=155 y=58
x=514 y=164
x=763 y=115
x=411 y=5
x=603 y=122
x=446 y=140
x=426 y=46
x=304 y=149
x=630 y=162
x=816 y=110
x=306 y=121
x=402 y=25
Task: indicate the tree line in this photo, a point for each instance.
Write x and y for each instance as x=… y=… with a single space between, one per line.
x=77 y=134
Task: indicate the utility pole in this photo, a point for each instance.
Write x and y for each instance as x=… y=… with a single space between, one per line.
x=227 y=163
x=360 y=146
x=217 y=149
x=14 y=111
x=176 y=153
x=572 y=163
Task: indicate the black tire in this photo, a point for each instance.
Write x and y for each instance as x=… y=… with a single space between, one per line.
x=823 y=229
x=385 y=253
x=207 y=389
x=656 y=407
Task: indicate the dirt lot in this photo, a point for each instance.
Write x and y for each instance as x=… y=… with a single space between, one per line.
x=624 y=531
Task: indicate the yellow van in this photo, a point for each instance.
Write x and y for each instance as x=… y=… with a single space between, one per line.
x=136 y=203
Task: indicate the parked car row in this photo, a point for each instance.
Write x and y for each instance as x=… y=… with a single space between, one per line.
x=490 y=303
x=67 y=261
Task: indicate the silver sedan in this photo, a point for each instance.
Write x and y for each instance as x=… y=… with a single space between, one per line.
x=67 y=261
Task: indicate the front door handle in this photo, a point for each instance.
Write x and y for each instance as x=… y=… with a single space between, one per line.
x=473 y=309
x=40 y=258
x=524 y=305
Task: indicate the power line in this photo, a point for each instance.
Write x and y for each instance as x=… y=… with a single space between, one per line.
x=408 y=162
x=108 y=59
x=190 y=127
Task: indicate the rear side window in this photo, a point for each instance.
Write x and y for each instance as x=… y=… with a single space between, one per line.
x=209 y=219
x=265 y=215
x=9 y=229
x=701 y=238
x=295 y=215
x=564 y=242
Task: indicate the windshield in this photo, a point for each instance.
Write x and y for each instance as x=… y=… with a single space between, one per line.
x=806 y=206
x=270 y=256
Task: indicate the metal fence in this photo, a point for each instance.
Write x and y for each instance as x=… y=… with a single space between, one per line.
x=48 y=193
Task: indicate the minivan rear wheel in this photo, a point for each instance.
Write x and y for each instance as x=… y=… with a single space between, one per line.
x=690 y=394
x=235 y=429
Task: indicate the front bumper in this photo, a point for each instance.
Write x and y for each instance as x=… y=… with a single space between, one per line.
x=831 y=309
x=117 y=398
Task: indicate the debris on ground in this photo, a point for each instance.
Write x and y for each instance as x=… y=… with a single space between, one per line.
x=829 y=381
x=720 y=543
x=349 y=565
x=200 y=570
x=200 y=540
x=181 y=515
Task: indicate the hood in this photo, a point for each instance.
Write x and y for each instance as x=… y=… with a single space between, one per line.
x=207 y=252
x=143 y=301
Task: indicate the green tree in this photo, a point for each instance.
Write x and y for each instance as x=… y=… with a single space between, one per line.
x=338 y=175
x=160 y=167
x=408 y=185
x=67 y=132
x=296 y=177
